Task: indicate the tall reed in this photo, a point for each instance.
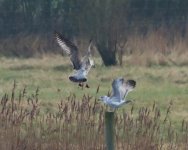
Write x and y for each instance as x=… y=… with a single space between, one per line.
x=79 y=124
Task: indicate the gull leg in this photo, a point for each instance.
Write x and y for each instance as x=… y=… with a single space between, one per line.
x=81 y=85
x=87 y=86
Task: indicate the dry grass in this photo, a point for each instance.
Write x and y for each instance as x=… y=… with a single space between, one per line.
x=79 y=124
x=157 y=48
x=150 y=59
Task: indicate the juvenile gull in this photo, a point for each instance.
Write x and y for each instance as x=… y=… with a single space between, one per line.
x=81 y=66
x=120 y=89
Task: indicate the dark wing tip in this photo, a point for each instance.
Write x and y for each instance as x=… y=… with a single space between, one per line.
x=58 y=35
x=65 y=40
x=131 y=83
x=73 y=79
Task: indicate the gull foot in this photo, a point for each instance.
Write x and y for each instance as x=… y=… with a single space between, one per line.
x=80 y=84
x=87 y=86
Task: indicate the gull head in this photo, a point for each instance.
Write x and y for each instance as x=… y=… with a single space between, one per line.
x=104 y=98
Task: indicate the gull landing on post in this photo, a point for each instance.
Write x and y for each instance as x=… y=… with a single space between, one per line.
x=81 y=67
x=120 y=88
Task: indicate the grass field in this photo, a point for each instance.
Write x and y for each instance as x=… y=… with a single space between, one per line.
x=164 y=85
x=161 y=84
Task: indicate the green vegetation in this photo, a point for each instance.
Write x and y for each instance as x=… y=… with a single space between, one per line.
x=26 y=27
x=91 y=17
x=161 y=84
x=44 y=109
x=79 y=124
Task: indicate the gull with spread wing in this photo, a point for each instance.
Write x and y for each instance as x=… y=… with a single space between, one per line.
x=81 y=67
x=120 y=89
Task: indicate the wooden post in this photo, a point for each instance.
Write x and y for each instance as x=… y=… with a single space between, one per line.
x=109 y=130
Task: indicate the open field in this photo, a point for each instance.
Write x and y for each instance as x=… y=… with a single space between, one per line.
x=164 y=85
x=161 y=84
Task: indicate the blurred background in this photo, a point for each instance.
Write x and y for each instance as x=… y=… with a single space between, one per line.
x=121 y=27
x=143 y=40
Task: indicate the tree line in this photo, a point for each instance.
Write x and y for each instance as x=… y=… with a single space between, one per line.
x=108 y=22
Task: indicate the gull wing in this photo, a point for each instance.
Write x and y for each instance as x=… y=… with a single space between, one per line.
x=127 y=87
x=116 y=88
x=87 y=61
x=70 y=49
x=86 y=66
x=88 y=55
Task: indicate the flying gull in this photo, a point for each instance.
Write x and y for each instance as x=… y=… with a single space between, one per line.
x=81 y=66
x=120 y=89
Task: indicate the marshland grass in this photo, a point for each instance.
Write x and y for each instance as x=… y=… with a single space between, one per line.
x=159 y=83
x=78 y=123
